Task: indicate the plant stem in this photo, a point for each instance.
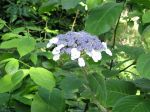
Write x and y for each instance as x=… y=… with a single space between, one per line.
x=24 y=63
x=115 y=33
x=127 y=67
x=74 y=22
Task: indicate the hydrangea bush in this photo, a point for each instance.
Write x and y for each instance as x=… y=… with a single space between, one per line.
x=75 y=44
x=72 y=74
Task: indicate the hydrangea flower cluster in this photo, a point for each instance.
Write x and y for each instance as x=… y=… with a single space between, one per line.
x=75 y=43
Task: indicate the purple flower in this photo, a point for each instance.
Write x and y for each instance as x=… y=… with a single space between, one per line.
x=73 y=43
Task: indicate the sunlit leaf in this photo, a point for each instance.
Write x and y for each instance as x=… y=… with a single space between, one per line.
x=26 y=45
x=42 y=77
x=12 y=66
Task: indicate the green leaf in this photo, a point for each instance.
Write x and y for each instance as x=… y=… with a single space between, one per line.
x=146 y=35
x=9 y=44
x=47 y=6
x=142 y=65
x=12 y=66
x=98 y=87
x=132 y=51
x=93 y=3
x=143 y=84
x=2 y=23
x=26 y=45
x=54 y=99
x=34 y=58
x=110 y=73
x=68 y=4
x=4 y=98
x=142 y=2
x=6 y=84
x=48 y=101
x=132 y=104
x=19 y=76
x=117 y=89
x=145 y=17
x=42 y=77
x=101 y=19
x=8 y=36
x=70 y=83
x=38 y=105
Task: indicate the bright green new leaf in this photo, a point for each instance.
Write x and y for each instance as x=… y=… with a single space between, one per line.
x=9 y=44
x=12 y=66
x=6 y=84
x=93 y=3
x=132 y=104
x=42 y=77
x=117 y=89
x=26 y=45
x=101 y=19
x=8 y=36
x=145 y=17
x=68 y=4
x=34 y=58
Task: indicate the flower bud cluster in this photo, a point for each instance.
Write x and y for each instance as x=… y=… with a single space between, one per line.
x=75 y=43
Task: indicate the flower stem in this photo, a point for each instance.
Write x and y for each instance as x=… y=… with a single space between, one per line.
x=74 y=22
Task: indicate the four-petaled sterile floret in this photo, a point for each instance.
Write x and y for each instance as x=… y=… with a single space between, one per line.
x=77 y=43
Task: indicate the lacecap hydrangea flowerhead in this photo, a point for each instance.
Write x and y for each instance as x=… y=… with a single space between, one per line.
x=77 y=43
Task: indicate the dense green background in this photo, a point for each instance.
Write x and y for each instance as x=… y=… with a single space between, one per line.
x=30 y=81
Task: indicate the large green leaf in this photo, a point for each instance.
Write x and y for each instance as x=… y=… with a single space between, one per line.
x=145 y=17
x=97 y=85
x=12 y=66
x=117 y=89
x=70 y=85
x=38 y=105
x=47 y=101
x=47 y=6
x=9 y=44
x=26 y=45
x=68 y=4
x=142 y=65
x=8 y=36
x=19 y=76
x=42 y=77
x=132 y=104
x=6 y=84
x=146 y=35
x=132 y=51
x=143 y=84
x=101 y=19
